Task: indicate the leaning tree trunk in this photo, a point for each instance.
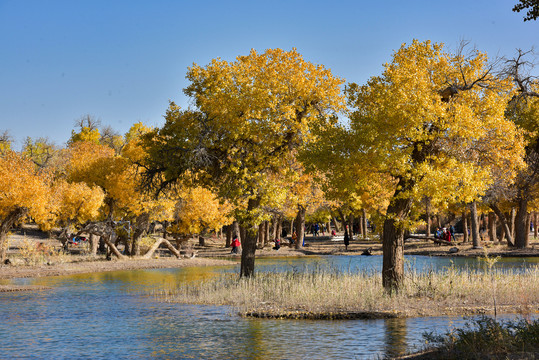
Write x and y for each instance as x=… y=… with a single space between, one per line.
x=5 y=226
x=505 y=226
x=475 y=226
x=112 y=247
x=300 y=226
x=393 y=238
x=156 y=245
x=521 y=230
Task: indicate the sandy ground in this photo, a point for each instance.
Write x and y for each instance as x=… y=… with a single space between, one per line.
x=214 y=253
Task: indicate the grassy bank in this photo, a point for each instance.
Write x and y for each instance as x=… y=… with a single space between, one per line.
x=484 y=338
x=334 y=295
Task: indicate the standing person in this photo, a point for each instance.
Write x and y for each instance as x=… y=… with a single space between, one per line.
x=346 y=239
x=447 y=235
x=452 y=231
x=235 y=244
x=277 y=244
x=294 y=239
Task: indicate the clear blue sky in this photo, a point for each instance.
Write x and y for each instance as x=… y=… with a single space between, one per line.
x=122 y=61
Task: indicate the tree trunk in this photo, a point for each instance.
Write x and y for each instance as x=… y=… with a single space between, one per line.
x=5 y=227
x=300 y=226
x=112 y=247
x=535 y=224
x=528 y=228
x=142 y=223
x=492 y=226
x=156 y=245
x=201 y=240
x=279 y=225
x=260 y=235
x=165 y=225
x=236 y=231
x=94 y=243
x=337 y=227
x=393 y=238
x=505 y=226
x=364 y=233
x=465 y=226
x=228 y=240
x=427 y=215
x=266 y=232
x=475 y=226
x=248 y=245
x=351 y=220
x=521 y=230
x=513 y=216
x=360 y=221
x=343 y=220
x=248 y=249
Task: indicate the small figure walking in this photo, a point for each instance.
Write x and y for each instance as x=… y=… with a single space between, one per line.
x=346 y=240
x=235 y=244
x=277 y=244
x=452 y=232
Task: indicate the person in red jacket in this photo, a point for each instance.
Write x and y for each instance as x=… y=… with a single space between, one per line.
x=447 y=235
x=235 y=244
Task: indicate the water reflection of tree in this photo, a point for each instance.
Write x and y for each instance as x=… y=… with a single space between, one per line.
x=395 y=337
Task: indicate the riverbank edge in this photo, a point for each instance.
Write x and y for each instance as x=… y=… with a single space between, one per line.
x=8 y=272
x=372 y=315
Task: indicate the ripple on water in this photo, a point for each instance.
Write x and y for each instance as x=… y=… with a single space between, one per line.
x=107 y=316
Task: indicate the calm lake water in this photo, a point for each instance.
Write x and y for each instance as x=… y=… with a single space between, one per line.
x=109 y=316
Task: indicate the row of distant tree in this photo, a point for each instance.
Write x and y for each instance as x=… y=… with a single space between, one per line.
x=271 y=136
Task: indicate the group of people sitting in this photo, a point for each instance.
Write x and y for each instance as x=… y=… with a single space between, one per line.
x=445 y=233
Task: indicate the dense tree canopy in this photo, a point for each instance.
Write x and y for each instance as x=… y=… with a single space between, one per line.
x=435 y=122
x=250 y=114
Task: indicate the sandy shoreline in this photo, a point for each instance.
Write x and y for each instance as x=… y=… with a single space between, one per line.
x=102 y=265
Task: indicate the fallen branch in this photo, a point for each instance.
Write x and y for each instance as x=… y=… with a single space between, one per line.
x=156 y=245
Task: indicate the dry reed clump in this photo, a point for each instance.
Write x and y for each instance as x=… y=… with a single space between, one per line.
x=33 y=253
x=333 y=294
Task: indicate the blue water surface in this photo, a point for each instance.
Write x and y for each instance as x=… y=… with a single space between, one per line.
x=111 y=316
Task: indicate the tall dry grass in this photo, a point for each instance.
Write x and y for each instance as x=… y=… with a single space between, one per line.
x=451 y=291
